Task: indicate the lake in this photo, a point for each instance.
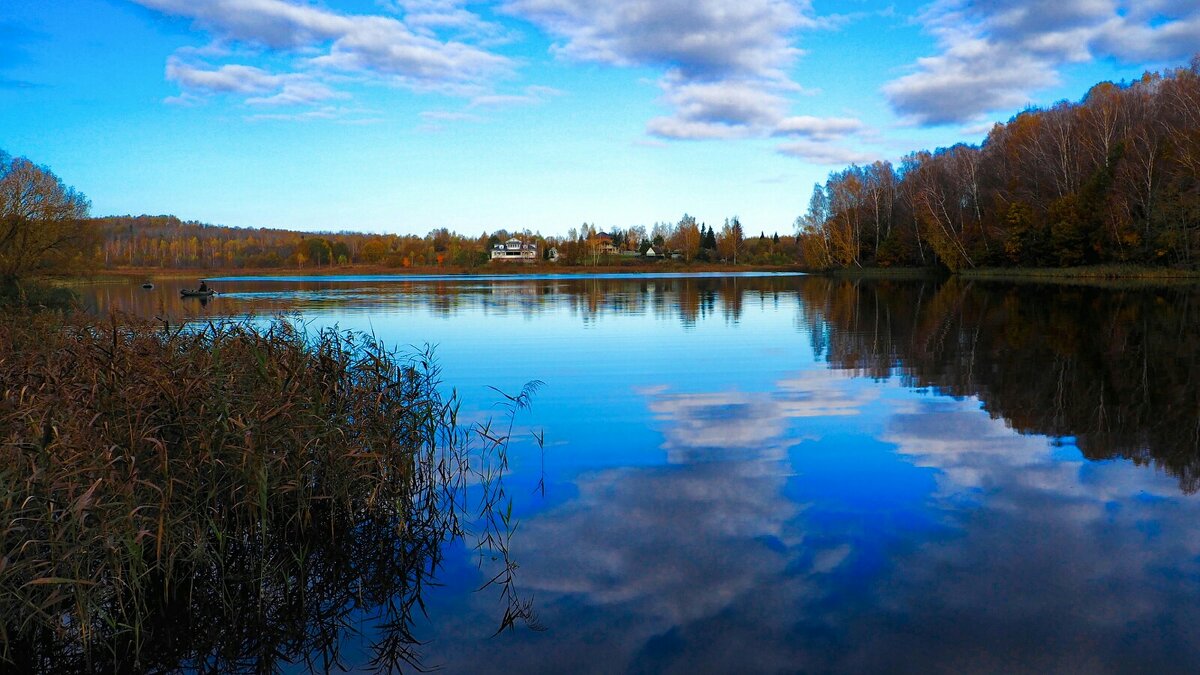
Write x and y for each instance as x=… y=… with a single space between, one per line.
x=780 y=473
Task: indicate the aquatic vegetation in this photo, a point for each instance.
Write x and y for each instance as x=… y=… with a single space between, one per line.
x=230 y=496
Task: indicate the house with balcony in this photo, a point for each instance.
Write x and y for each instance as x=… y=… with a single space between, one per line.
x=515 y=250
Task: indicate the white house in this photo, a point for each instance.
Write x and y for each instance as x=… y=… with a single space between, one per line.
x=516 y=250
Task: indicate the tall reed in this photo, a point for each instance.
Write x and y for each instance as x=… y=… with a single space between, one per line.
x=223 y=497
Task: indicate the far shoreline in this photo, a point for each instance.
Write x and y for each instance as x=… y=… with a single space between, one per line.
x=505 y=269
x=1082 y=274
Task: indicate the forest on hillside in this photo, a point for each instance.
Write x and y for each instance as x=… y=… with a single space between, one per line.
x=1114 y=178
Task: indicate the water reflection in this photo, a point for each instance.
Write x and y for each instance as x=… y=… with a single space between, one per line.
x=730 y=425
x=1113 y=369
x=688 y=299
x=807 y=474
x=973 y=548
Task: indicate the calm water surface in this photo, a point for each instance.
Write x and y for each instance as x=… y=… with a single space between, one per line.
x=784 y=473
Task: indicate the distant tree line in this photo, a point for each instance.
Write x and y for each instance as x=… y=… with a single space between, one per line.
x=1114 y=178
x=685 y=240
x=45 y=229
x=169 y=242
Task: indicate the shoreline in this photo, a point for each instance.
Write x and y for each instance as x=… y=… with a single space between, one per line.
x=1088 y=274
x=154 y=273
x=1084 y=274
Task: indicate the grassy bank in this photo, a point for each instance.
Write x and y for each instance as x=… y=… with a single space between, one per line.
x=1089 y=272
x=1098 y=274
x=226 y=497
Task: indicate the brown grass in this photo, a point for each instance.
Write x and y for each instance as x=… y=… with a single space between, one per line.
x=224 y=497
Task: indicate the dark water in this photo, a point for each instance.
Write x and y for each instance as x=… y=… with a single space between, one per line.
x=783 y=474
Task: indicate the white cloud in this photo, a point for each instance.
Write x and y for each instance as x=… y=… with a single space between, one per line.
x=994 y=53
x=822 y=152
x=432 y=17
x=261 y=87
x=449 y=116
x=725 y=61
x=339 y=115
x=531 y=95
x=232 y=78
x=819 y=128
x=325 y=43
x=298 y=93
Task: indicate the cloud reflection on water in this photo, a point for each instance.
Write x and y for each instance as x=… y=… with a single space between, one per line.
x=1038 y=560
x=741 y=425
x=708 y=543
x=744 y=520
x=1056 y=564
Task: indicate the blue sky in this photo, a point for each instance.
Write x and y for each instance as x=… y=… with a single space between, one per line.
x=407 y=115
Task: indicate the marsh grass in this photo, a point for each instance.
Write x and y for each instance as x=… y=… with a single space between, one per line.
x=27 y=296
x=229 y=497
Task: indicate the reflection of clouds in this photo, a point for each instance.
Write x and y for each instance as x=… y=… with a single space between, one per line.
x=662 y=569
x=1061 y=566
x=747 y=425
x=1034 y=560
x=971 y=451
x=671 y=567
x=715 y=520
x=681 y=543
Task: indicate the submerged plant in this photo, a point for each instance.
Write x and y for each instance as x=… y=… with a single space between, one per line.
x=228 y=497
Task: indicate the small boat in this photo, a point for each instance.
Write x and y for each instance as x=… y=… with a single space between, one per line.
x=189 y=293
x=147 y=285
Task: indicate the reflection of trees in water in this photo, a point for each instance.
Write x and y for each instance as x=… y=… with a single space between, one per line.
x=1116 y=369
x=687 y=300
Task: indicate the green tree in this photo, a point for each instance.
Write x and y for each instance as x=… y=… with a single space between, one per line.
x=316 y=249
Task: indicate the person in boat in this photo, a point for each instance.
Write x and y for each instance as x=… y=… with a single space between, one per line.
x=203 y=288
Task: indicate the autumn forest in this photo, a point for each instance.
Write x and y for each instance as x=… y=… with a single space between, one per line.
x=1114 y=178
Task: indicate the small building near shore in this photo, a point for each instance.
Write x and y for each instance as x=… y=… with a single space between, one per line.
x=515 y=250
